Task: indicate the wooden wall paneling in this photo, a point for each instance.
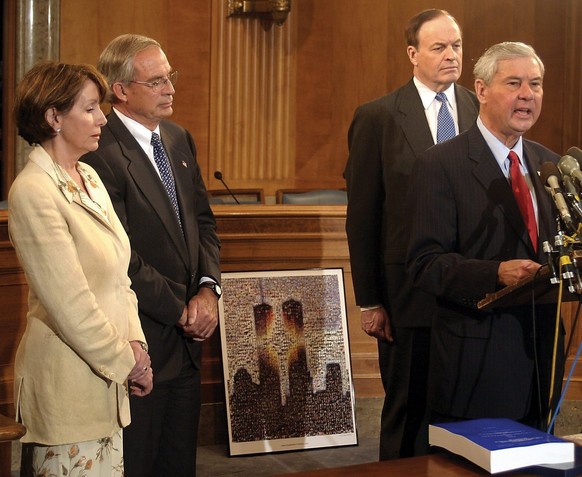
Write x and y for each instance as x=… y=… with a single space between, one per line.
x=88 y=26
x=537 y=23
x=8 y=129
x=549 y=40
x=339 y=65
x=252 y=101
x=573 y=340
x=271 y=109
x=13 y=292
x=181 y=27
x=318 y=75
x=571 y=121
x=188 y=48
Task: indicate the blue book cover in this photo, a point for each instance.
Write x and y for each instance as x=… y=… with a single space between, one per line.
x=499 y=445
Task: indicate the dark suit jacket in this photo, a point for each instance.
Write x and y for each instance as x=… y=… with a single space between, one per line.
x=386 y=137
x=465 y=222
x=166 y=264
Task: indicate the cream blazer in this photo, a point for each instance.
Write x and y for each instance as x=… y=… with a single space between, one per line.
x=74 y=358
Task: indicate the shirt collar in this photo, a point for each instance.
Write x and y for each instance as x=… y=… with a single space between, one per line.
x=500 y=151
x=141 y=134
x=427 y=95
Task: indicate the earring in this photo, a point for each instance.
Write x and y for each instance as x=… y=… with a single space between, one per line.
x=58 y=130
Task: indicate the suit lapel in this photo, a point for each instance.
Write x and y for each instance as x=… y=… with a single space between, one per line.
x=487 y=172
x=414 y=124
x=93 y=209
x=413 y=119
x=467 y=110
x=40 y=157
x=147 y=180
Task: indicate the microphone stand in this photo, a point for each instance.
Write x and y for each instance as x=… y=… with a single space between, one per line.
x=218 y=175
x=549 y=252
x=566 y=266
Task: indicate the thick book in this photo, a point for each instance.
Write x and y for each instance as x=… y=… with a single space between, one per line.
x=498 y=445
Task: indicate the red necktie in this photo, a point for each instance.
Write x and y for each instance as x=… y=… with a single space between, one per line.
x=523 y=198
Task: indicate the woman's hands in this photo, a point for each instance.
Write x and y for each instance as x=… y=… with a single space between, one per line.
x=141 y=377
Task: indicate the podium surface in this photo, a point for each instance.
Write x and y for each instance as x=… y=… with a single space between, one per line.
x=537 y=286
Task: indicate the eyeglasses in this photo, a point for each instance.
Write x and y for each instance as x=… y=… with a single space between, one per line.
x=158 y=84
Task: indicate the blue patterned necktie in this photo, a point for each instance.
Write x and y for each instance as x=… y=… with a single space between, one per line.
x=445 y=122
x=163 y=164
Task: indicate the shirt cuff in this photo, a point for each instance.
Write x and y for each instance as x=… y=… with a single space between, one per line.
x=368 y=308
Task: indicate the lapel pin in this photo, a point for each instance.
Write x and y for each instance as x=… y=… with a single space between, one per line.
x=184 y=164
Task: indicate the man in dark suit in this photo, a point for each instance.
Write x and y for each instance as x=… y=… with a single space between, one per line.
x=385 y=139
x=470 y=237
x=158 y=193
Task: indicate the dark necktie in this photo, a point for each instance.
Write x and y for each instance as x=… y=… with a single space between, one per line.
x=163 y=164
x=445 y=122
x=523 y=198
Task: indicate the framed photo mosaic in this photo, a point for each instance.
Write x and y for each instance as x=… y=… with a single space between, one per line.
x=286 y=361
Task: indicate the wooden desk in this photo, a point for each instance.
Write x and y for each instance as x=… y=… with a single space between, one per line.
x=435 y=465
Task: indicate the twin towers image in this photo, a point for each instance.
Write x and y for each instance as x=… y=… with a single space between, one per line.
x=290 y=376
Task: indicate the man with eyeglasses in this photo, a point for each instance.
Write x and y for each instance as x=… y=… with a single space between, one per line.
x=149 y=167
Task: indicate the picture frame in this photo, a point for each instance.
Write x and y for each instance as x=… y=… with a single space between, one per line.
x=286 y=361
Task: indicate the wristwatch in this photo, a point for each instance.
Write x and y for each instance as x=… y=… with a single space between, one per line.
x=143 y=346
x=215 y=287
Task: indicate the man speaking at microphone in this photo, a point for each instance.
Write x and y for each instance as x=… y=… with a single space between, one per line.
x=480 y=216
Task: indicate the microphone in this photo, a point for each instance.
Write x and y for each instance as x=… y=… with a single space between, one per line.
x=571 y=174
x=576 y=153
x=572 y=196
x=549 y=176
x=569 y=186
x=570 y=166
x=218 y=175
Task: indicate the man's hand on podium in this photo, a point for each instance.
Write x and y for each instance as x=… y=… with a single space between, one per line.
x=513 y=271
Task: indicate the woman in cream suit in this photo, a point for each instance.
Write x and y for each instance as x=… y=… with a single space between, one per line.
x=83 y=341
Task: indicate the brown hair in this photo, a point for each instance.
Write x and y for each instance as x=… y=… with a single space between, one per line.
x=50 y=85
x=415 y=23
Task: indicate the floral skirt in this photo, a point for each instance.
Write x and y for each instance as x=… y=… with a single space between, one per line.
x=97 y=458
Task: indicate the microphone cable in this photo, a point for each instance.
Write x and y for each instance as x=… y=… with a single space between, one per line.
x=535 y=348
x=551 y=414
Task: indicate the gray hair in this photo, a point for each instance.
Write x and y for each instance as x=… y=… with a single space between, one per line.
x=486 y=66
x=116 y=60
